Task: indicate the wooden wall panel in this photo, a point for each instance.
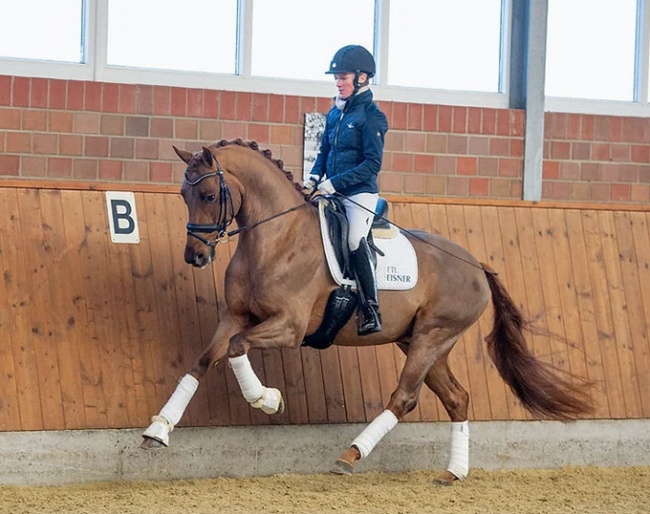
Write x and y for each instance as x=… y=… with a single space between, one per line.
x=16 y=405
x=603 y=317
x=96 y=334
x=586 y=311
x=627 y=235
x=621 y=333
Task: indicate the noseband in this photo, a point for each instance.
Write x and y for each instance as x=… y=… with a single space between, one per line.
x=226 y=211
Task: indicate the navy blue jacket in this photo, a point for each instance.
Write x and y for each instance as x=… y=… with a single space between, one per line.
x=352 y=146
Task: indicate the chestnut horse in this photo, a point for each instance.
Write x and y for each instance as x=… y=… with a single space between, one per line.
x=278 y=282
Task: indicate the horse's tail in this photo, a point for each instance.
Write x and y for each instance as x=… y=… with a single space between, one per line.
x=538 y=387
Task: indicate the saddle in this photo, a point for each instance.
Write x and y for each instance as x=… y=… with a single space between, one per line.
x=337 y=226
x=343 y=301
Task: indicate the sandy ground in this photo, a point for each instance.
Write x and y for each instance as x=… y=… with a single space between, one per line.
x=571 y=490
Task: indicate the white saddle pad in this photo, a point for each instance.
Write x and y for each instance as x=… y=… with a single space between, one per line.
x=397 y=270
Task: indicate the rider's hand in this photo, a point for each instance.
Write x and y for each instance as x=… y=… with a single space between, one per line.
x=326 y=187
x=310 y=182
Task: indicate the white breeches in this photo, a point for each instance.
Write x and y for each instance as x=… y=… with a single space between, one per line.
x=359 y=219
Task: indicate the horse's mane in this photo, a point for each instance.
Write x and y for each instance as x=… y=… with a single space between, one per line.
x=266 y=153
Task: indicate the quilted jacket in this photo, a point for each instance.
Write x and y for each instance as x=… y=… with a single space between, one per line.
x=352 y=146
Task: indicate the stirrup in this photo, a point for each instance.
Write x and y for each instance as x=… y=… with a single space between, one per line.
x=369 y=322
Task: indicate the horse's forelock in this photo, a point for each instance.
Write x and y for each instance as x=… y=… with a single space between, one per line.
x=195 y=162
x=193 y=169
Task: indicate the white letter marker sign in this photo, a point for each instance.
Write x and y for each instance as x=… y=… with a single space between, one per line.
x=122 y=217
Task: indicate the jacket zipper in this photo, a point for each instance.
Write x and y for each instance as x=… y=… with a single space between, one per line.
x=336 y=140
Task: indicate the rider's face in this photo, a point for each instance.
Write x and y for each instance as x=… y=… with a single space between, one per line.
x=344 y=84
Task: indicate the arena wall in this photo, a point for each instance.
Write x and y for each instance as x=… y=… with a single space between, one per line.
x=96 y=334
x=81 y=456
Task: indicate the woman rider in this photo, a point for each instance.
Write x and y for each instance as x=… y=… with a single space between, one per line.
x=349 y=159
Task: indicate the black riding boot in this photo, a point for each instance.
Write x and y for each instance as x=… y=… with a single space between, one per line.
x=368 y=317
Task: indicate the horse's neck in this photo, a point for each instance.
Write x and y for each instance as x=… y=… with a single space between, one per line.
x=267 y=193
x=276 y=210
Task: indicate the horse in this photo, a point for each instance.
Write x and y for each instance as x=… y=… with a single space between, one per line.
x=277 y=285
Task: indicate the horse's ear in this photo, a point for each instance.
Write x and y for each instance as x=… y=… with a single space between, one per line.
x=184 y=155
x=207 y=156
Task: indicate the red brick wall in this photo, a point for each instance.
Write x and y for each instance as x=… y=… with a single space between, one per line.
x=596 y=158
x=90 y=131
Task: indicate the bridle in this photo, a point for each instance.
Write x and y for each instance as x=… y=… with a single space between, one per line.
x=226 y=211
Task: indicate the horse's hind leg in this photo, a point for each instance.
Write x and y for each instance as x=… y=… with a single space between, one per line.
x=157 y=434
x=424 y=350
x=455 y=399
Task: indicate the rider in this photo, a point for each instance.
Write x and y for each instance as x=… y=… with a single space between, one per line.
x=350 y=159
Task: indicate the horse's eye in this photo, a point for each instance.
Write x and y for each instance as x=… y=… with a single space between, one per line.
x=210 y=198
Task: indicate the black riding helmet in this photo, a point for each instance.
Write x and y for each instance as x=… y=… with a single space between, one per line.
x=353 y=59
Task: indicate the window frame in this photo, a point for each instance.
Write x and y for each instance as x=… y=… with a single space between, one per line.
x=96 y=69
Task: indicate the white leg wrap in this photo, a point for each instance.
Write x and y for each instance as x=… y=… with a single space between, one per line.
x=260 y=397
x=459 y=456
x=251 y=387
x=176 y=405
x=373 y=433
x=173 y=410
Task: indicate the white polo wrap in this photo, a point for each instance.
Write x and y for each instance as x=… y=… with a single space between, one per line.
x=268 y=399
x=173 y=410
x=250 y=385
x=176 y=405
x=373 y=433
x=459 y=455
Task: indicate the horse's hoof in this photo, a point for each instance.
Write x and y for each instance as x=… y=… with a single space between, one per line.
x=342 y=467
x=149 y=443
x=271 y=401
x=446 y=478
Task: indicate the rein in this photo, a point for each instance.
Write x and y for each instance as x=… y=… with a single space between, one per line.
x=416 y=236
x=251 y=227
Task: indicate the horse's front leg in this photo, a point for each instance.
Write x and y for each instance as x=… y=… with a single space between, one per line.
x=157 y=434
x=276 y=332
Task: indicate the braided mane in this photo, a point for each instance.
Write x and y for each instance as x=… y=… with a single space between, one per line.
x=266 y=153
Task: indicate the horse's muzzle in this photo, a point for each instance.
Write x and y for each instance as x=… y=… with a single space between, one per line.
x=199 y=258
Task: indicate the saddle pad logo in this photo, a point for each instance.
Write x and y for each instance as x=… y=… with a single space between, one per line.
x=398 y=269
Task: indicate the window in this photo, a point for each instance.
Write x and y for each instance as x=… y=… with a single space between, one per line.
x=647 y=97
x=49 y=31
x=591 y=48
x=297 y=39
x=193 y=35
x=445 y=45
x=430 y=51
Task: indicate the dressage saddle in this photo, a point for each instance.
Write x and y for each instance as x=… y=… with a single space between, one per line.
x=343 y=301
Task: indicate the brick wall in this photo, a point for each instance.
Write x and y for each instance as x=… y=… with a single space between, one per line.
x=596 y=158
x=91 y=131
